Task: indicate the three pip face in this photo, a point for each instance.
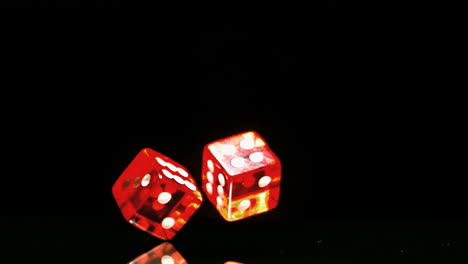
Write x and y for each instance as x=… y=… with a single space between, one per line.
x=240 y=176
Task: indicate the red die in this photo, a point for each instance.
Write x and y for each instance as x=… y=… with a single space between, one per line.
x=164 y=253
x=241 y=176
x=156 y=194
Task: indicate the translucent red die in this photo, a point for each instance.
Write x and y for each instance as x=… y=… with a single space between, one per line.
x=241 y=176
x=164 y=253
x=156 y=194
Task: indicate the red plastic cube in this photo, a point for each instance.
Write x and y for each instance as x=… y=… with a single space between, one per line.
x=156 y=194
x=241 y=176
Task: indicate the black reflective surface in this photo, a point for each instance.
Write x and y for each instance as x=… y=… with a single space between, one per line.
x=105 y=240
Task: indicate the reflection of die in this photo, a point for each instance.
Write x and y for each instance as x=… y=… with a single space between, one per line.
x=241 y=176
x=156 y=194
x=164 y=253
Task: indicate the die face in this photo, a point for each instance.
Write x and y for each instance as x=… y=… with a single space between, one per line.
x=215 y=181
x=254 y=192
x=242 y=153
x=126 y=186
x=156 y=194
x=238 y=191
x=164 y=253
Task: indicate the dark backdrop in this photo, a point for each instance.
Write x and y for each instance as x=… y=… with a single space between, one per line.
x=371 y=156
x=97 y=3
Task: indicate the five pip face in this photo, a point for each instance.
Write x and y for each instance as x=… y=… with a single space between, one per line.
x=240 y=177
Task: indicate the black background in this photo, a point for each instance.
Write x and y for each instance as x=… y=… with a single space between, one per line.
x=100 y=4
x=369 y=141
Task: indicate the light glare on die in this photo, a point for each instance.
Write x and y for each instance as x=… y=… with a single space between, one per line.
x=228 y=149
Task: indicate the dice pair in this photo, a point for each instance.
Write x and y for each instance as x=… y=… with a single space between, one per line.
x=240 y=177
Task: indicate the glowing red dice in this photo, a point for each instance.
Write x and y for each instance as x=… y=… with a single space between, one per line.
x=241 y=176
x=164 y=253
x=156 y=194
